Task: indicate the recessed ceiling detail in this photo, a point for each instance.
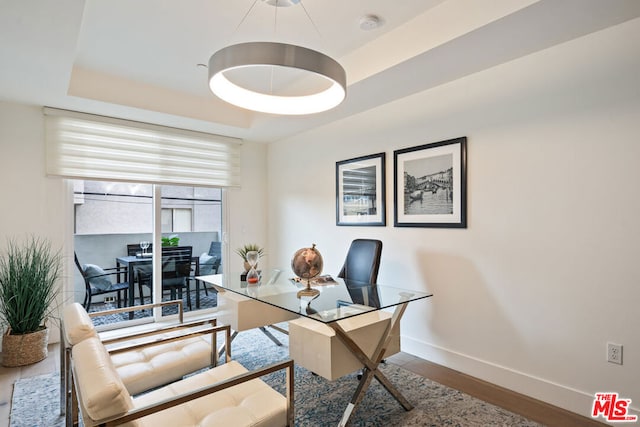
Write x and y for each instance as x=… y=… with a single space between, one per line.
x=137 y=61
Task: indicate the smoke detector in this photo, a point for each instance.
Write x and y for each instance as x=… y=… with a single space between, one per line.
x=370 y=22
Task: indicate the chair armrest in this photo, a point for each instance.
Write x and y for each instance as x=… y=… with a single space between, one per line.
x=163 y=329
x=189 y=332
x=109 y=272
x=143 y=307
x=159 y=330
x=286 y=365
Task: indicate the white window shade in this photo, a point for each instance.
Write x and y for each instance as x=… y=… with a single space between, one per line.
x=93 y=147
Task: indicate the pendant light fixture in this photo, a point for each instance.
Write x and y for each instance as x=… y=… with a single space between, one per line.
x=258 y=55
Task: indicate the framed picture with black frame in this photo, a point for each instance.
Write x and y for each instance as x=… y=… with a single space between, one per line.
x=431 y=185
x=360 y=191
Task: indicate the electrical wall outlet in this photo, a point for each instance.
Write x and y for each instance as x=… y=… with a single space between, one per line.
x=109 y=299
x=614 y=353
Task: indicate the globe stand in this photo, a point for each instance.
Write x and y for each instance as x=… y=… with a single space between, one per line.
x=307 y=295
x=308 y=291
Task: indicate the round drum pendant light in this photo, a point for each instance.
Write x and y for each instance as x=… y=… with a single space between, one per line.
x=260 y=54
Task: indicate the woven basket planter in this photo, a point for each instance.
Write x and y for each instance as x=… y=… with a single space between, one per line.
x=20 y=350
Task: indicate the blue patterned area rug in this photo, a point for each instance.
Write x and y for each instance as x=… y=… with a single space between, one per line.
x=318 y=402
x=36 y=402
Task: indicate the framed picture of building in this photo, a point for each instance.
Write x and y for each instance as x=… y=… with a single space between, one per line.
x=360 y=191
x=431 y=185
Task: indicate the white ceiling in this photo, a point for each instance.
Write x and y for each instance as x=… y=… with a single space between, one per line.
x=139 y=59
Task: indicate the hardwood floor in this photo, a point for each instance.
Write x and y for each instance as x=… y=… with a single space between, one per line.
x=526 y=406
x=531 y=408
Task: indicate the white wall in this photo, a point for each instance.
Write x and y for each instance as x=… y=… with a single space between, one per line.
x=33 y=205
x=247 y=206
x=546 y=272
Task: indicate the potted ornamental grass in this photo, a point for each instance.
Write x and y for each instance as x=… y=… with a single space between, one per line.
x=29 y=274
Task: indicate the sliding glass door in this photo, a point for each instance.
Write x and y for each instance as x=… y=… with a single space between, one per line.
x=114 y=229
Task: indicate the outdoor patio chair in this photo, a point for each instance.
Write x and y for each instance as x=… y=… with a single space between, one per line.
x=133 y=249
x=98 y=281
x=176 y=273
x=215 y=250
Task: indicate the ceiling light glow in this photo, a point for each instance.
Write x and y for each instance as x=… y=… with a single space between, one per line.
x=258 y=54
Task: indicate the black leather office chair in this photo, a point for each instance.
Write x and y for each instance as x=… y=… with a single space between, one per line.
x=363 y=261
x=360 y=271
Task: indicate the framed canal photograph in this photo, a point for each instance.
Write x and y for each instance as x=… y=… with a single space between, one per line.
x=360 y=191
x=431 y=185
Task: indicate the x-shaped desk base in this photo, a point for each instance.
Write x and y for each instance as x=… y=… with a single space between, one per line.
x=371 y=364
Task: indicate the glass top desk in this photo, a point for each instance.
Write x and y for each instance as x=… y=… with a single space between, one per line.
x=329 y=301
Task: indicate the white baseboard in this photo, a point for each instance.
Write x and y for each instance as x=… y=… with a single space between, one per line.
x=577 y=401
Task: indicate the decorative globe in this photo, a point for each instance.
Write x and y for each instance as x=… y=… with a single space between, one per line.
x=307 y=263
